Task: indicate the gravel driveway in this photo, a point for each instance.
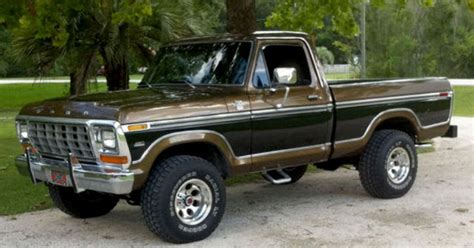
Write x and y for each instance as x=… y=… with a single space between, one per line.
x=323 y=209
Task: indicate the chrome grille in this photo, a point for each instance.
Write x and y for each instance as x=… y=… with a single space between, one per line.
x=60 y=139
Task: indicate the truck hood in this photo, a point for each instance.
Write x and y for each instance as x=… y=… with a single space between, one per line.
x=133 y=106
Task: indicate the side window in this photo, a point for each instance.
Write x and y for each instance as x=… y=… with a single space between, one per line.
x=275 y=56
x=261 y=78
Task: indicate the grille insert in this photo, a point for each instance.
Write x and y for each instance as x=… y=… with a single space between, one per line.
x=60 y=139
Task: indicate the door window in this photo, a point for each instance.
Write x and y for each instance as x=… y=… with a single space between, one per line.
x=276 y=56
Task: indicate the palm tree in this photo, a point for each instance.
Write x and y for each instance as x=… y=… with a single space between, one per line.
x=83 y=32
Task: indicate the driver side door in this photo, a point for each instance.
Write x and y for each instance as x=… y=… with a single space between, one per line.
x=289 y=122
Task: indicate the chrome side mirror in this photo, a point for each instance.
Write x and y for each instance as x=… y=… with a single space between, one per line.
x=285 y=75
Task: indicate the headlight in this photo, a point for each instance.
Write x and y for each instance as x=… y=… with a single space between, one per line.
x=106 y=139
x=21 y=130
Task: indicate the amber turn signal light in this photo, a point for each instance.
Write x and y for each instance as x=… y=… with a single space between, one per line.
x=137 y=127
x=113 y=159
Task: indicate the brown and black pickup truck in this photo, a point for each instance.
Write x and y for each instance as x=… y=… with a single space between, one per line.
x=211 y=108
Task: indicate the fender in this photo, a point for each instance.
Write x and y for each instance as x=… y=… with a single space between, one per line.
x=355 y=146
x=146 y=161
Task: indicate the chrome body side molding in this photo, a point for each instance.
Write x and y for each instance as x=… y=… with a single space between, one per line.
x=394 y=99
x=228 y=146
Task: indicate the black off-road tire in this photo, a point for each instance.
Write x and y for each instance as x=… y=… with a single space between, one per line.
x=158 y=198
x=86 y=204
x=374 y=163
x=296 y=173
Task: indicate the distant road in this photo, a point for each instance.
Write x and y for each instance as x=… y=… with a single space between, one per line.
x=457 y=82
x=462 y=82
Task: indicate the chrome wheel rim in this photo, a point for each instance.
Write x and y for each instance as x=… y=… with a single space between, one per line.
x=193 y=201
x=398 y=165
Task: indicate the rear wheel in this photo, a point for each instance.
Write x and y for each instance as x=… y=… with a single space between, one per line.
x=82 y=205
x=295 y=173
x=184 y=199
x=388 y=166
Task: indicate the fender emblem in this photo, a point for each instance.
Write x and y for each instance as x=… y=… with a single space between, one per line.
x=239 y=105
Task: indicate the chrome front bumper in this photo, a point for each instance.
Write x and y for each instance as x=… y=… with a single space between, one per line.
x=40 y=170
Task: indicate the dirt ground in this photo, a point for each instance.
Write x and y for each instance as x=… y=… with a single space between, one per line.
x=323 y=209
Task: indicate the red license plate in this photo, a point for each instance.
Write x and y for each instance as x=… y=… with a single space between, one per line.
x=58 y=178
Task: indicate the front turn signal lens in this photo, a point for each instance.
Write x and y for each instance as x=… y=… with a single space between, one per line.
x=137 y=127
x=113 y=159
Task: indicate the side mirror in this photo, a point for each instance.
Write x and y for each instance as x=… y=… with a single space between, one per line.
x=285 y=75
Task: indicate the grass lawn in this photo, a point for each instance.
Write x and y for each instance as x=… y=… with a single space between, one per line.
x=464 y=101
x=18 y=195
x=45 y=79
x=341 y=76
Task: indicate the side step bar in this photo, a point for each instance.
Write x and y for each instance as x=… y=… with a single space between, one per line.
x=424 y=145
x=277 y=176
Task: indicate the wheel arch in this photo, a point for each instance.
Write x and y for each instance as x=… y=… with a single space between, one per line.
x=400 y=123
x=204 y=150
x=206 y=144
x=398 y=119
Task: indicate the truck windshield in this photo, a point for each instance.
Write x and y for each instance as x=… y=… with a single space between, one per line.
x=223 y=63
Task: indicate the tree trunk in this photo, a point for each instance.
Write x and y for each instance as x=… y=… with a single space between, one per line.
x=241 y=17
x=77 y=86
x=79 y=77
x=117 y=74
x=116 y=67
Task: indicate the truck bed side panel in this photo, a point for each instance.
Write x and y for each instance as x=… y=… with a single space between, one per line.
x=361 y=107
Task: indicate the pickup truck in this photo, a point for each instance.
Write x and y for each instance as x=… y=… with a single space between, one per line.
x=211 y=108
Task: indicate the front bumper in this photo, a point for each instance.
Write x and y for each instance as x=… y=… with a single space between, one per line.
x=75 y=175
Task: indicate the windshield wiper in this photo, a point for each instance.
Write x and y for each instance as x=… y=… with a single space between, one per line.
x=183 y=81
x=144 y=84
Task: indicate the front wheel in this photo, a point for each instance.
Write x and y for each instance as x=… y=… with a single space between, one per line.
x=82 y=205
x=388 y=166
x=184 y=199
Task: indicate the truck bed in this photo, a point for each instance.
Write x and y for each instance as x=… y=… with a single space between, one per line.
x=361 y=105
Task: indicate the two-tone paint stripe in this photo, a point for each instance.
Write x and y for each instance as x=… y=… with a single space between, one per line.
x=395 y=99
x=235 y=117
x=228 y=118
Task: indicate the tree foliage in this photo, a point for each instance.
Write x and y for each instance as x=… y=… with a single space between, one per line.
x=413 y=41
x=325 y=56
x=335 y=25
x=112 y=32
x=312 y=16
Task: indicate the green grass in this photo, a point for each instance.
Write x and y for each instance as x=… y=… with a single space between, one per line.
x=14 y=96
x=18 y=195
x=45 y=79
x=464 y=101
x=341 y=76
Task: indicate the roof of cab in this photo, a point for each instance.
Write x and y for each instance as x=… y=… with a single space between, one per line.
x=252 y=36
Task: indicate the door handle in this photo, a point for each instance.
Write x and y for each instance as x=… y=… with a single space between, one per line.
x=314 y=97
